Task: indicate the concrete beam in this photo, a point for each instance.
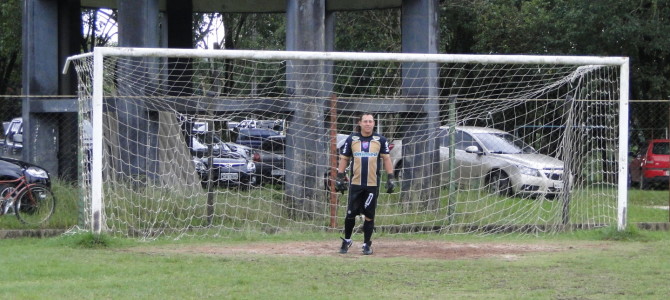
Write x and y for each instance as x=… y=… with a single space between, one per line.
x=260 y=6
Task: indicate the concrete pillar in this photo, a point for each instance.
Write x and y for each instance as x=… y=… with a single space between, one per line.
x=179 y=35
x=420 y=34
x=138 y=27
x=40 y=77
x=139 y=23
x=69 y=35
x=306 y=149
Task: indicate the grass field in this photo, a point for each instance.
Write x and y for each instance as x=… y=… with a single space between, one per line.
x=470 y=208
x=597 y=264
x=594 y=264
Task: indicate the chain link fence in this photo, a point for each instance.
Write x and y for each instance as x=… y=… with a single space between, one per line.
x=649 y=120
x=648 y=176
x=55 y=141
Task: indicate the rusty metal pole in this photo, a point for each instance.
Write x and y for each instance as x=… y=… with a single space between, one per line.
x=333 y=161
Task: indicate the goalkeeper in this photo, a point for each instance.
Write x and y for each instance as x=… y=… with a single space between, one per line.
x=368 y=150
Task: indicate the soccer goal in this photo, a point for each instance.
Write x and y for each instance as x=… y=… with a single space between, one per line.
x=212 y=142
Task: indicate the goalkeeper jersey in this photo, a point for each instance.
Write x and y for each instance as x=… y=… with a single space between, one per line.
x=366 y=155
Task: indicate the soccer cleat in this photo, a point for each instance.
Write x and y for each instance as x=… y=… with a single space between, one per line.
x=345 y=245
x=367 y=250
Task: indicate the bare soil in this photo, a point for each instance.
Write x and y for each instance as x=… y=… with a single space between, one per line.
x=384 y=248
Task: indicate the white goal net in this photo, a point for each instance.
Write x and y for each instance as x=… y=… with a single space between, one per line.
x=211 y=142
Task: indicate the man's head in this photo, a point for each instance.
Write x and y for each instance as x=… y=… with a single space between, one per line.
x=366 y=124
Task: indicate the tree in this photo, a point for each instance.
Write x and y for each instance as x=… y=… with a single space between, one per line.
x=241 y=31
x=637 y=29
x=100 y=28
x=10 y=58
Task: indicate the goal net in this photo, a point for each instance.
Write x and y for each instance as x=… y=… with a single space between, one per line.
x=212 y=142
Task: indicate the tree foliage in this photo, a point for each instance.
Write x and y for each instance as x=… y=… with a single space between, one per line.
x=241 y=31
x=10 y=47
x=638 y=29
x=10 y=58
x=369 y=31
x=99 y=28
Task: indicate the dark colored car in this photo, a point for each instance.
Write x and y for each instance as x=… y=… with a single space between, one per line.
x=12 y=169
x=244 y=151
x=226 y=171
x=228 y=167
x=254 y=137
x=269 y=159
x=650 y=166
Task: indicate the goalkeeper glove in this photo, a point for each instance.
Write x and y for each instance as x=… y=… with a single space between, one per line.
x=340 y=182
x=390 y=186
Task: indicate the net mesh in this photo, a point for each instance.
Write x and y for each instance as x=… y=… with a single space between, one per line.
x=206 y=146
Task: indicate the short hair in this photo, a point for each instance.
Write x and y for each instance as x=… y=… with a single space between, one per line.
x=360 y=118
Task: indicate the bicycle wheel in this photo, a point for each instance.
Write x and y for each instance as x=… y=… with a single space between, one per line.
x=35 y=206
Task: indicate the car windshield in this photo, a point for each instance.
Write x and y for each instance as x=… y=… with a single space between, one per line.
x=661 y=148
x=504 y=143
x=200 y=141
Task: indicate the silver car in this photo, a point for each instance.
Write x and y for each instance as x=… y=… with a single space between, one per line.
x=500 y=161
x=495 y=159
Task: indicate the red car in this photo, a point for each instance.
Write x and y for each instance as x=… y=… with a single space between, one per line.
x=651 y=164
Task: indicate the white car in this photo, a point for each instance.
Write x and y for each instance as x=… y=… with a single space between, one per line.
x=497 y=160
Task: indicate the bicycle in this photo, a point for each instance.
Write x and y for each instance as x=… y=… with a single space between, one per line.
x=32 y=203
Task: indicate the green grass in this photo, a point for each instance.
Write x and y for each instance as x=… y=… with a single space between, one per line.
x=66 y=214
x=233 y=208
x=594 y=264
x=644 y=205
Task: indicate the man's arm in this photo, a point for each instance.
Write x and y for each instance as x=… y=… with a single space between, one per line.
x=340 y=180
x=343 y=163
x=388 y=164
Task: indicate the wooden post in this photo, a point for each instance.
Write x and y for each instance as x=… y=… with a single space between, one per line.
x=333 y=161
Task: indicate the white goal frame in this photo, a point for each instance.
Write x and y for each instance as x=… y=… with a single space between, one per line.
x=97 y=215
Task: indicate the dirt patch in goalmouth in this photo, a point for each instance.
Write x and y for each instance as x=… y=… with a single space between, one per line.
x=382 y=248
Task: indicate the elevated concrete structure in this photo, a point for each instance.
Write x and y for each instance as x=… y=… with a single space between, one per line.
x=259 y=6
x=310 y=27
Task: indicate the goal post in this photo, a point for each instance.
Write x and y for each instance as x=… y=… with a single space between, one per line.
x=151 y=108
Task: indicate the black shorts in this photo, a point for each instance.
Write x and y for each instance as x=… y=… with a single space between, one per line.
x=362 y=200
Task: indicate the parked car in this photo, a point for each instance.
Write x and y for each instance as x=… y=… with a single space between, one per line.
x=12 y=169
x=200 y=145
x=277 y=125
x=254 y=137
x=228 y=167
x=269 y=159
x=650 y=166
x=496 y=159
x=12 y=142
x=242 y=150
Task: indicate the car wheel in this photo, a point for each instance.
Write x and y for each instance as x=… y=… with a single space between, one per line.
x=6 y=191
x=499 y=183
